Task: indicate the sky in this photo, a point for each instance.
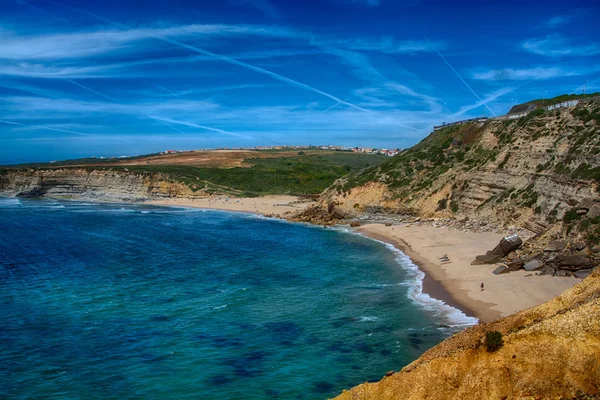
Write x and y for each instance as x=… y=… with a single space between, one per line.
x=119 y=78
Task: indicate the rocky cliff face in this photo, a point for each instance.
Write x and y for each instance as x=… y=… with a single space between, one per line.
x=549 y=351
x=539 y=167
x=104 y=185
x=523 y=173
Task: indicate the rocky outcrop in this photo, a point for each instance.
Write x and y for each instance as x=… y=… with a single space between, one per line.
x=98 y=184
x=549 y=351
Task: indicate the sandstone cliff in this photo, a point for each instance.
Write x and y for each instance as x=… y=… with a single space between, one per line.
x=540 y=172
x=549 y=351
x=100 y=184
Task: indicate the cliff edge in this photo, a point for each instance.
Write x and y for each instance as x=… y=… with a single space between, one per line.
x=549 y=351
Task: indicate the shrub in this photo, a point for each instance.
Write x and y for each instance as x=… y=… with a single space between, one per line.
x=493 y=341
x=442 y=204
x=571 y=216
x=454 y=206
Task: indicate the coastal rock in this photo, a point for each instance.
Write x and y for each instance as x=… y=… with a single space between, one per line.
x=507 y=245
x=533 y=265
x=547 y=270
x=594 y=211
x=574 y=262
x=337 y=213
x=515 y=264
x=502 y=269
x=561 y=273
x=354 y=224
x=555 y=245
x=582 y=273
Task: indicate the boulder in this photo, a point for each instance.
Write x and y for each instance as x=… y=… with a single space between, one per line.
x=515 y=264
x=547 y=270
x=561 y=273
x=503 y=269
x=594 y=211
x=354 y=224
x=555 y=245
x=574 y=262
x=337 y=213
x=582 y=273
x=388 y=224
x=533 y=265
x=507 y=245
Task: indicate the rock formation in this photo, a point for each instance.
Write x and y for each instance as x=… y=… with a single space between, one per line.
x=549 y=351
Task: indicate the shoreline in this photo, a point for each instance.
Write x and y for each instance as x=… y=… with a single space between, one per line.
x=457 y=283
x=275 y=205
x=431 y=286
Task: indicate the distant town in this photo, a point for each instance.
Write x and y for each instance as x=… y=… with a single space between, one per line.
x=358 y=149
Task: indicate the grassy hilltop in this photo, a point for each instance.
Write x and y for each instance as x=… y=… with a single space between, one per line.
x=234 y=172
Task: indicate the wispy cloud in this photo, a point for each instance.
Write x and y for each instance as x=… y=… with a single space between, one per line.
x=484 y=101
x=559 y=20
x=195 y=125
x=386 y=45
x=42 y=127
x=522 y=74
x=264 y=6
x=103 y=41
x=556 y=45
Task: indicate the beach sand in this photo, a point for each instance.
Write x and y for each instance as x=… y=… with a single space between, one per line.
x=458 y=282
x=266 y=205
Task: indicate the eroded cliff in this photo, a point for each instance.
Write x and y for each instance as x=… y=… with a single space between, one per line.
x=549 y=351
x=81 y=183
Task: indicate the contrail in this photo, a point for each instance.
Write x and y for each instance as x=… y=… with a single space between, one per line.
x=221 y=57
x=43 y=127
x=582 y=86
x=194 y=125
x=460 y=77
x=115 y=101
x=322 y=112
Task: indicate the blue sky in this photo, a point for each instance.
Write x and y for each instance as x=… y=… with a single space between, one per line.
x=110 y=78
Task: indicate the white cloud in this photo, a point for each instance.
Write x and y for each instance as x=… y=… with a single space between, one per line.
x=556 y=45
x=73 y=45
x=386 y=45
x=510 y=74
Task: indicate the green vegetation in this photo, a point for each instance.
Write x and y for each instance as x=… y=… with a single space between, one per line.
x=562 y=98
x=493 y=341
x=297 y=175
x=535 y=113
x=454 y=206
x=571 y=216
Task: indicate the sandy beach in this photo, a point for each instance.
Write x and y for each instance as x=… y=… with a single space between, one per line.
x=267 y=205
x=457 y=282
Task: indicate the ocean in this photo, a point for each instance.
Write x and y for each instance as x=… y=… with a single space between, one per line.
x=140 y=302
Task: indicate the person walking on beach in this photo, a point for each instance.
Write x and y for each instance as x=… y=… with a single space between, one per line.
x=482 y=286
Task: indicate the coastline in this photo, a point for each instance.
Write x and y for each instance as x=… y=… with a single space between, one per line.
x=267 y=205
x=457 y=283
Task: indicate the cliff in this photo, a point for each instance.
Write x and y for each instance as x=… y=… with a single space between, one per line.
x=549 y=351
x=539 y=173
x=81 y=183
x=536 y=167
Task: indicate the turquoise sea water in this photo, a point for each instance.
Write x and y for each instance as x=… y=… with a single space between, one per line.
x=138 y=302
